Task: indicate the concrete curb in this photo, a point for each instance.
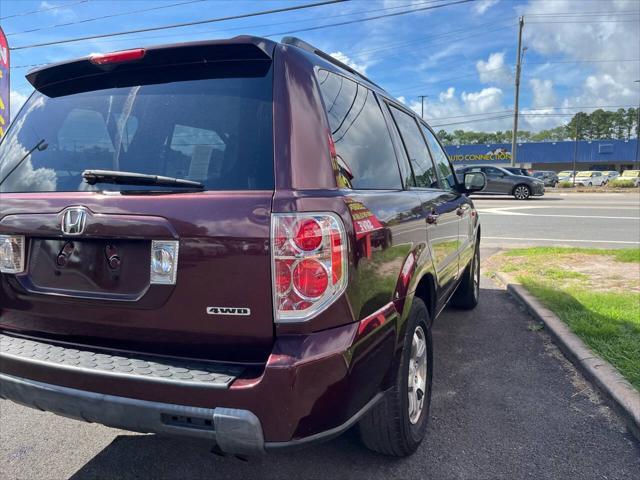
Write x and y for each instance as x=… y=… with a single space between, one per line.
x=616 y=390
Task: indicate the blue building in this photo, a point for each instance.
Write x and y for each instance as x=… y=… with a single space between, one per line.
x=617 y=155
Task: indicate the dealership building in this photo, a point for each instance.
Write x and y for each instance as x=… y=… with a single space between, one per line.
x=617 y=155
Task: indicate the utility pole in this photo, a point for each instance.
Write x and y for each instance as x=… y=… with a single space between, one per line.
x=514 y=138
x=575 y=149
x=422 y=97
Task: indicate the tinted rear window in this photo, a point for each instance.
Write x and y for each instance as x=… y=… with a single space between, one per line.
x=366 y=158
x=215 y=130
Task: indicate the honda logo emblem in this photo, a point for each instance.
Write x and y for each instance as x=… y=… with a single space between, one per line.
x=73 y=221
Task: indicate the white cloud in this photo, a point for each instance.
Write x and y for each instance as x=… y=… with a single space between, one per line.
x=494 y=70
x=604 y=82
x=486 y=100
x=543 y=93
x=484 y=5
x=360 y=67
x=450 y=111
x=17 y=99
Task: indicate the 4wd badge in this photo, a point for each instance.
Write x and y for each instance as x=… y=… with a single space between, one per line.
x=228 y=311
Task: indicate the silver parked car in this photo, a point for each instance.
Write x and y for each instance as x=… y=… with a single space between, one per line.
x=503 y=182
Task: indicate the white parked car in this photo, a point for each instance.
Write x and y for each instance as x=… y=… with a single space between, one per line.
x=590 y=178
x=566 y=176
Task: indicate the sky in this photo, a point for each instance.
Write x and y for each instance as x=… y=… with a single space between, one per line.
x=580 y=54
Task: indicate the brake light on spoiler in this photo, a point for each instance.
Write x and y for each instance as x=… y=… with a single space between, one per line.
x=117 y=57
x=309 y=263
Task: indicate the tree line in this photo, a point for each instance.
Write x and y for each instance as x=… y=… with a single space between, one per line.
x=599 y=124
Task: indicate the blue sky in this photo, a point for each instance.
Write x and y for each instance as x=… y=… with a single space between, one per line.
x=580 y=53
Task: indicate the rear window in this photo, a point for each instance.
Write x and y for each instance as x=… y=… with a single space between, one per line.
x=215 y=130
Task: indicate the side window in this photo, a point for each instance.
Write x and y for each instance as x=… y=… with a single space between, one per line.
x=443 y=166
x=492 y=172
x=423 y=168
x=365 y=155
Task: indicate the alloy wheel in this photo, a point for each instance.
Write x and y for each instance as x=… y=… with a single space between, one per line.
x=417 y=378
x=521 y=192
x=476 y=275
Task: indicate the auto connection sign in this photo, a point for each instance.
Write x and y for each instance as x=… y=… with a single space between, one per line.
x=4 y=83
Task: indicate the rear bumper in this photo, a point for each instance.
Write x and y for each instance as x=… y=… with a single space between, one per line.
x=233 y=430
x=313 y=387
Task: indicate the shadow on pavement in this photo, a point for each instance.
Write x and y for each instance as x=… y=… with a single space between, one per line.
x=503 y=407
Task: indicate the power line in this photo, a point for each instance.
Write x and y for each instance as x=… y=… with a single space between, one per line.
x=505 y=68
x=288 y=22
x=587 y=21
x=499 y=117
x=92 y=19
x=581 y=14
x=184 y=24
x=53 y=7
x=532 y=110
x=338 y=24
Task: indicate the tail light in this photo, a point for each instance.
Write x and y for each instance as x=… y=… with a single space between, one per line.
x=12 y=253
x=309 y=263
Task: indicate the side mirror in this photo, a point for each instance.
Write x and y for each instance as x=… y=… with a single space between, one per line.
x=474 y=182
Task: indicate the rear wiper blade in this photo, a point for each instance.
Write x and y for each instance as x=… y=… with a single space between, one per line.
x=131 y=178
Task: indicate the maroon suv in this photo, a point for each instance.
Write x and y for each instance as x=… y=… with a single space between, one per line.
x=238 y=240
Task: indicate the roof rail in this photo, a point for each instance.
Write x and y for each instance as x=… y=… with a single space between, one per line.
x=297 y=42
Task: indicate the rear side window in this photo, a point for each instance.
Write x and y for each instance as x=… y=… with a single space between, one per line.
x=423 y=169
x=215 y=128
x=366 y=158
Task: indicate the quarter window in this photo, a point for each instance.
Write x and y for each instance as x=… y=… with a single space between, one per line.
x=423 y=169
x=366 y=159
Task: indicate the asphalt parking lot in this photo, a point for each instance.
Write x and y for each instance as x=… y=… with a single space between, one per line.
x=600 y=220
x=506 y=403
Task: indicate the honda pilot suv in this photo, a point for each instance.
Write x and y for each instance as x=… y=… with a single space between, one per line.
x=238 y=240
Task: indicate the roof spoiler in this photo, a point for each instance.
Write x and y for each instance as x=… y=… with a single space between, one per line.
x=55 y=79
x=297 y=42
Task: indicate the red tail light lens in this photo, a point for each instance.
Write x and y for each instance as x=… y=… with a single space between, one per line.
x=309 y=257
x=117 y=57
x=308 y=235
x=310 y=279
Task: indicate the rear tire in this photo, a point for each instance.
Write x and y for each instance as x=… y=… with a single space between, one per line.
x=397 y=424
x=521 y=192
x=468 y=292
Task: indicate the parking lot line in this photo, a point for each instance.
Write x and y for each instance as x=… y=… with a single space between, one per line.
x=504 y=212
x=560 y=240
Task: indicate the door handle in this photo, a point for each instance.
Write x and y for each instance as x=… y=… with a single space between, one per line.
x=432 y=218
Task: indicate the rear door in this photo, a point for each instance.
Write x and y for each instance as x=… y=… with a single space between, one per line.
x=94 y=282
x=439 y=207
